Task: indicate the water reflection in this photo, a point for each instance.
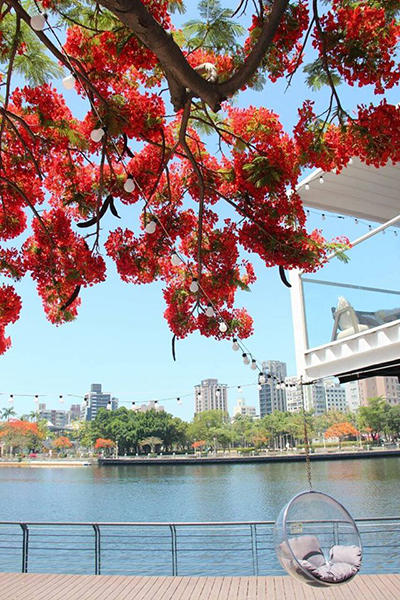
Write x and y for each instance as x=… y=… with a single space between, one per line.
x=193 y=493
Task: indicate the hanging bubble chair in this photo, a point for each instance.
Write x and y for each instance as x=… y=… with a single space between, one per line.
x=317 y=541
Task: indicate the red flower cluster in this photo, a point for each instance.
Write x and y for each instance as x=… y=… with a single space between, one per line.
x=361 y=43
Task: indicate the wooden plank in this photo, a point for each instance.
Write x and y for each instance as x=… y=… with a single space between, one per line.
x=261 y=588
x=394 y=579
x=134 y=587
x=87 y=588
x=375 y=586
x=186 y=592
x=217 y=584
x=167 y=588
x=279 y=588
x=62 y=590
x=386 y=583
x=224 y=589
x=108 y=588
x=198 y=589
x=234 y=589
x=30 y=585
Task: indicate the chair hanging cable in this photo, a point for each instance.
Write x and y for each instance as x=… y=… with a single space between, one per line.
x=306 y=441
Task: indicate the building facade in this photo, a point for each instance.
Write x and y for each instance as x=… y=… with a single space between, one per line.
x=58 y=418
x=243 y=410
x=272 y=396
x=210 y=395
x=94 y=401
x=335 y=395
x=359 y=392
x=314 y=395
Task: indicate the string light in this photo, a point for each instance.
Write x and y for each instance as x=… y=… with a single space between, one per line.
x=321 y=180
x=133 y=405
x=11 y=398
x=109 y=405
x=261 y=378
x=69 y=82
x=246 y=359
x=175 y=260
x=253 y=365
x=36 y=400
x=240 y=389
x=179 y=401
x=350 y=161
x=150 y=227
x=129 y=185
x=210 y=311
x=307 y=187
x=194 y=286
x=323 y=216
x=235 y=345
x=61 y=399
x=38 y=22
x=223 y=327
x=97 y=134
x=355 y=221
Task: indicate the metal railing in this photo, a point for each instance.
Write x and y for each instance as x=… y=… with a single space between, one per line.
x=215 y=548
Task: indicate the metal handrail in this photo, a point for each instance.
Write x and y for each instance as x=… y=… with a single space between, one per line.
x=172 y=547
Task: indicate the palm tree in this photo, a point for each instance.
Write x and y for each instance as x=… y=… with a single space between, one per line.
x=152 y=442
x=7 y=413
x=33 y=415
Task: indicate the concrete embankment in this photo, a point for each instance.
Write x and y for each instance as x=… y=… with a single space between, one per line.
x=45 y=463
x=269 y=458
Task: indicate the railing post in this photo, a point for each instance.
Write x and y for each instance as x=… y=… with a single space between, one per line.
x=254 y=551
x=97 y=550
x=174 y=550
x=336 y=533
x=25 y=547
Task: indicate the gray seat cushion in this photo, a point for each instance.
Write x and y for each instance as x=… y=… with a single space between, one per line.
x=307 y=548
x=331 y=573
x=346 y=554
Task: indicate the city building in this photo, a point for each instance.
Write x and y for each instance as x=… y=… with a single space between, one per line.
x=352 y=395
x=335 y=395
x=314 y=395
x=210 y=395
x=74 y=413
x=242 y=409
x=57 y=418
x=95 y=400
x=272 y=395
x=386 y=387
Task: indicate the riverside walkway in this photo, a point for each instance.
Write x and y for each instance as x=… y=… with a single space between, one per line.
x=18 y=586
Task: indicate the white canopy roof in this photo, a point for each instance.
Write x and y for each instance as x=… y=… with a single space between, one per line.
x=360 y=190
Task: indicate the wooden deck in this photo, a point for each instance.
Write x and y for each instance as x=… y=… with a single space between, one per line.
x=18 y=586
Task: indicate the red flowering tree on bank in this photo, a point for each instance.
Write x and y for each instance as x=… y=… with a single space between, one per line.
x=59 y=174
x=340 y=431
x=104 y=443
x=62 y=443
x=22 y=435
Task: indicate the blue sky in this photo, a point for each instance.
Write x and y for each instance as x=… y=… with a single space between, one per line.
x=121 y=339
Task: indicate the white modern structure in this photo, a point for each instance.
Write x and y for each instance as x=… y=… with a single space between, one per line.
x=210 y=395
x=347 y=317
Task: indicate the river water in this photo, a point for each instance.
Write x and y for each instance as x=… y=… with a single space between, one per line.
x=250 y=492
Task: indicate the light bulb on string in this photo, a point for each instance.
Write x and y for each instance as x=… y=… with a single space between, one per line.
x=69 y=82
x=61 y=398
x=129 y=185
x=38 y=22
x=350 y=161
x=395 y=233
x=150 y=227
x=36 y=400
x=194 y=286
x=223 y=327
x=370 y=227
x=133 y=405
x=155 y=402
x=179 y=401
x=253 y=365
x=235 y=345
x=218 y=393
x=109 y=405
x=246 y=359
x=321 y=180
x=307 y=187
x=97 y=134
x=323 y=216
x=209 y=311
x=355 y=221
x=11 y=398
x=240 y=389
x=175 y=260
x=261 y=379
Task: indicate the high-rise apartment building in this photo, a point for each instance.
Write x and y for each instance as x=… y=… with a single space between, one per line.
x=272 y=395
x=74 y=413
x=335 y=395
x=210 y=395
x=313 y=394
x=359 y=392
x=95 y=400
